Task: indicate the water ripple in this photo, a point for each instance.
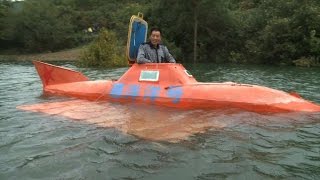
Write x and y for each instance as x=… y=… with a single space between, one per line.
x=218 y=144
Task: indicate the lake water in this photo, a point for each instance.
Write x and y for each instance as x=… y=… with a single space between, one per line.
x=127 y=141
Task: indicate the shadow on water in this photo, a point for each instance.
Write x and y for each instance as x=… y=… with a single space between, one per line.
x=85 y=140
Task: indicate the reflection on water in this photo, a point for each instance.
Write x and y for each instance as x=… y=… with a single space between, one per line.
x=100 y=140
x=151 y=123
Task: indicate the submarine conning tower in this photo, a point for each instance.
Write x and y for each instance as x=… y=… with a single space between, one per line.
x=163 y=74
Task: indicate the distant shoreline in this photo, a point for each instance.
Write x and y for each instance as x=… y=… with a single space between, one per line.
x=65 y=55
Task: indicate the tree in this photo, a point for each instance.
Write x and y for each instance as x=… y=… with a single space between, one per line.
x=50 y=25
x=103 y=52
x=195 y=26
x=36 y=29
x=4 y=8
x=195 y=4
x=279 y=31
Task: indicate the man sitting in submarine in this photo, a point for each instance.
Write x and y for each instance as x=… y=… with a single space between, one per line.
x=153 y=51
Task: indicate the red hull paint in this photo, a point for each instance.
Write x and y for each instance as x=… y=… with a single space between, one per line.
x=174 y=88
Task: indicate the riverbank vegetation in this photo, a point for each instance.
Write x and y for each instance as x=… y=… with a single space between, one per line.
x=104 y=51
x=280 y=32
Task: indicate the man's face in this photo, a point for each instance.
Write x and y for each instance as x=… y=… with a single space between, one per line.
x=155 y=37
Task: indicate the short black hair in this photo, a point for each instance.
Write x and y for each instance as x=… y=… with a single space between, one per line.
x=155 y=29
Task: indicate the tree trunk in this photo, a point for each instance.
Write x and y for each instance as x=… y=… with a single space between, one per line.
x=195 y=34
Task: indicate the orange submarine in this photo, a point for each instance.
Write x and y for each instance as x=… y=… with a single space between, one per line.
x=167 y=84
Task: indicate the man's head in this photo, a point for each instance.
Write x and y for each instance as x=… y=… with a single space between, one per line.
x=155 y=36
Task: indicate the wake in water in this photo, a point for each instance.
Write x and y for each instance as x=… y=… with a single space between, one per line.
x=161 y=124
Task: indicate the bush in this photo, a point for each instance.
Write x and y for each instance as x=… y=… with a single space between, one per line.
x=306 y=62
x=103 y=52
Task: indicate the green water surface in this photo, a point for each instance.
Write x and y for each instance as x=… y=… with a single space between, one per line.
x=250 y=146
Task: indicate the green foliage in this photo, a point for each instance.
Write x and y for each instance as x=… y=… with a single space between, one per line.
x=306 y=62
x=113 y=15
x=238 y=31
x=4 y=8
x=278 y=31
x=177 y=18
x=103 y=52
x=51 y=25
x=242 y=31
x=40 y=26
